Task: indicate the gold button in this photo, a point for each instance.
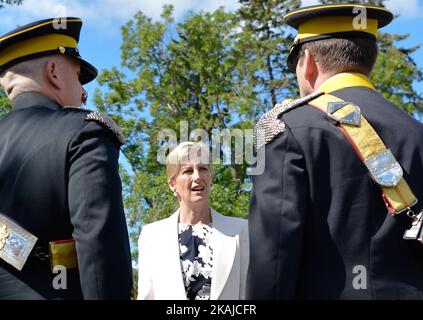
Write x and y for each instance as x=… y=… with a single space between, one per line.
x=296 y=41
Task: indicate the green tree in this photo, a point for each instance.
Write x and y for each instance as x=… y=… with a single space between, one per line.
x=9 y=2
x=195 y=73
x=395 y=71
x=5 y=105
x=263 y=19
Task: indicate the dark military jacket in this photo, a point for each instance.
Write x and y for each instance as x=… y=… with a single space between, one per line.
x=319 y=228
x=59 y=179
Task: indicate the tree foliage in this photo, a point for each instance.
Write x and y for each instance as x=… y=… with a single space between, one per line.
x=395 y=71
x=9 y=2
x=271 y=43
x=5 y=105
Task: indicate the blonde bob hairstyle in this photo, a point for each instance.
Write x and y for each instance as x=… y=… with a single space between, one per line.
x=184 y=152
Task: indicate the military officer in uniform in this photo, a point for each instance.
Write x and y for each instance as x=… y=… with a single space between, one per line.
x=335 y=215
x=63 y=232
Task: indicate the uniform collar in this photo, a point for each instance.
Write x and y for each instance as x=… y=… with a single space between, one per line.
x=34 y=99
x=345 y=80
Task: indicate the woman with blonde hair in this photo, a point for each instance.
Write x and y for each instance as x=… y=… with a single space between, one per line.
x=196 y=253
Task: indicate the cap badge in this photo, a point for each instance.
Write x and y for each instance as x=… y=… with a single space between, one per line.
x=351 y=114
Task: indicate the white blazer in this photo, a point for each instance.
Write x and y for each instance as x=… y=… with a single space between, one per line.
x=159 y=265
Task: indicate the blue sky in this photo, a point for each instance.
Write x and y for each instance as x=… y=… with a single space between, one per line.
x=100 y=38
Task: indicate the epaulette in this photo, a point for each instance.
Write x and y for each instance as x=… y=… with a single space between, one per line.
x=102 y=119
x=270 y=126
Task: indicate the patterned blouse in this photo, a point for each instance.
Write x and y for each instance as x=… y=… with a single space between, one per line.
x=196 y=259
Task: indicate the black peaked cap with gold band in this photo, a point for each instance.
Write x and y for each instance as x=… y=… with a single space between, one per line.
x=334 y=21
x=56 y=35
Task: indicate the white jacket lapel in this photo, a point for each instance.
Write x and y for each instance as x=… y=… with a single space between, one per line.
x=171 y=252
x=224 y=250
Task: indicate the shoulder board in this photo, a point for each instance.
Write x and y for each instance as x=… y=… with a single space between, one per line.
x=270 y=126
x=102 y=119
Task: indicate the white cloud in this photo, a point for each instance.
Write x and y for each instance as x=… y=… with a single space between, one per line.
x=103 y=14
x=32 y=10
x=309 y=2
x=406 y=8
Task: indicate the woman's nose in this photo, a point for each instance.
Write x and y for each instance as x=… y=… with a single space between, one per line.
x=196 y=175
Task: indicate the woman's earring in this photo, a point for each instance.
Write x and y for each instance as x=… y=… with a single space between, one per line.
x=175 y=193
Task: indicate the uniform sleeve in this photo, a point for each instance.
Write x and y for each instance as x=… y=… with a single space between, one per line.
x=245 y=254
x=145 y=281
x=96 y=212
x=276 y=221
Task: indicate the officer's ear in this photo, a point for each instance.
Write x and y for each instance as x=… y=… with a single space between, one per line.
x=52 y=73
x=310 y=69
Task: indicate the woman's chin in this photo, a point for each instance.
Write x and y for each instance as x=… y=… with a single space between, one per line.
x=198 y=198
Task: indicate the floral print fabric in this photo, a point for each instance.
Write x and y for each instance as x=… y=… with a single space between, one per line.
x=196 y=260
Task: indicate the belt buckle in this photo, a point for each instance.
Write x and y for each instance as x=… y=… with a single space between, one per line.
x=15 y=242
x=63 y=253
